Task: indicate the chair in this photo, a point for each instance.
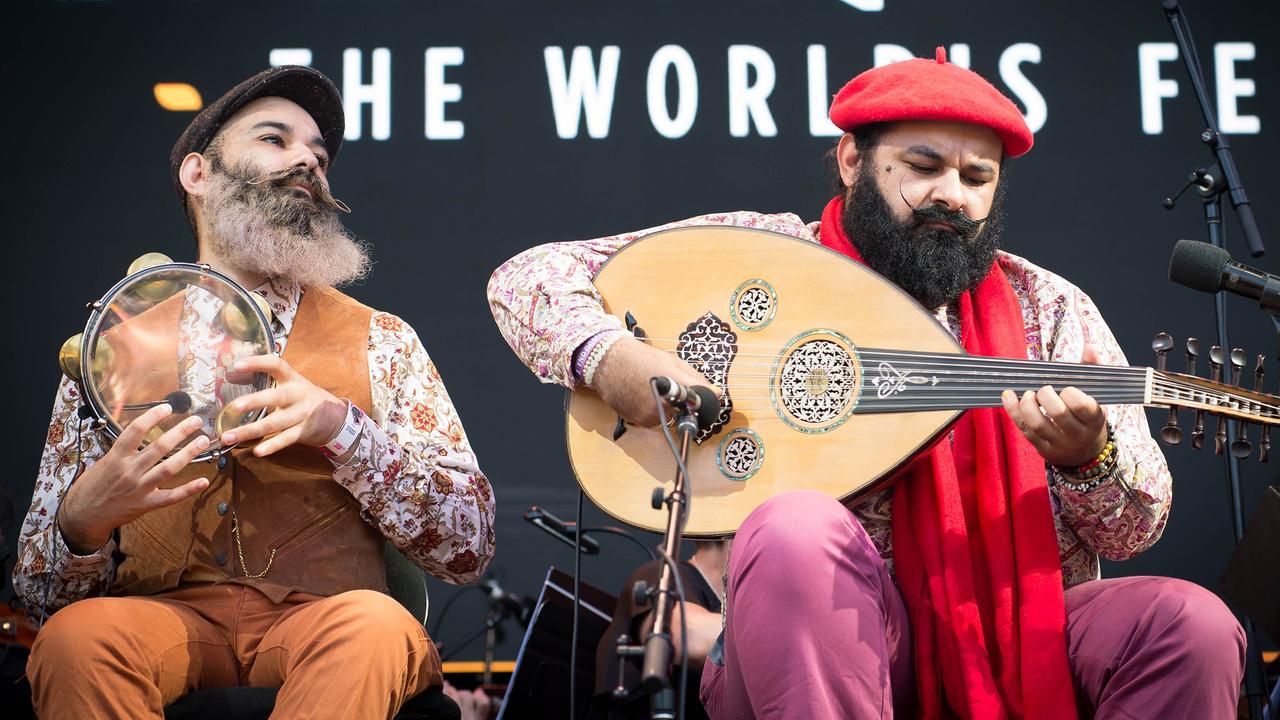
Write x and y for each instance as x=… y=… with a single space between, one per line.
x=407 y=586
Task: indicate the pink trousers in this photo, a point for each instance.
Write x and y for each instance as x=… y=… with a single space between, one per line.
x=816 y=628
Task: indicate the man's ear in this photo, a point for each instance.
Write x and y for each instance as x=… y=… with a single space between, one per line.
x=847 y=159
x=193 y=173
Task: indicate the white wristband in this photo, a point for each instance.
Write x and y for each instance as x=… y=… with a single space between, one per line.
x=597 y=354
x=347 y=436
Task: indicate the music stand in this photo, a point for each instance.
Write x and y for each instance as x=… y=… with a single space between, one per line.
x=539 y=686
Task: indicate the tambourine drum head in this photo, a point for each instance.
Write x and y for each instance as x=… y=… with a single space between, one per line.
x=172 y=333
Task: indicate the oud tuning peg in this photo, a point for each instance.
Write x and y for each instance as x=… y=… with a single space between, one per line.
x=1220 y=436
x=1240 y=445
x=1162 y=343
x=1264 y=443
x=1197 y=429
x=1241 y=448
x=1216 y=359
x=1238 y=359
x=1171 y=434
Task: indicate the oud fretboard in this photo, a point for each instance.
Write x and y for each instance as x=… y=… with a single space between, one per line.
x=905 y=381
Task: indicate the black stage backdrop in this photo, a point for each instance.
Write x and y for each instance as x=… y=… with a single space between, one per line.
x=471 y=148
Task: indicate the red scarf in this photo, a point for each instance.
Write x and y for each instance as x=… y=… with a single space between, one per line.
x=976 y=553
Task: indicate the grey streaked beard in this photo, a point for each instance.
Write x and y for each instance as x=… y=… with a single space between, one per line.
x=258 y=226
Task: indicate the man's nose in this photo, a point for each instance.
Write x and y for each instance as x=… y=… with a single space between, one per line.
x=305 y=158
x=948 y=191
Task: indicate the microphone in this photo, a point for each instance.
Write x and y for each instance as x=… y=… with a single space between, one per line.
x=561 y=530
x=697 y=399
x=509 y=602
x=178 y=400
x=1208 y=268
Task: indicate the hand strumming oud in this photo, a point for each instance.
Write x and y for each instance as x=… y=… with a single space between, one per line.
x=623 y=378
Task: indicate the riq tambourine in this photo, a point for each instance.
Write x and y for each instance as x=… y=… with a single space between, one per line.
x=170 y=332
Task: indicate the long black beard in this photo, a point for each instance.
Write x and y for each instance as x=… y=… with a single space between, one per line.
x=933 y=265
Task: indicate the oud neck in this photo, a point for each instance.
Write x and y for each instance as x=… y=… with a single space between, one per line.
x=901 y=381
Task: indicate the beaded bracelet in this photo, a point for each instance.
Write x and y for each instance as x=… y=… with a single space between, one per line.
x=583 y=353
x=1092 y=467
x=597 y=354
x=1086 y=486
x=1093 y=473
x=1102 y=469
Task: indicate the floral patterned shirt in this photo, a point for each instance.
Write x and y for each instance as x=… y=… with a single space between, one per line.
x=412 y=471
x=545 y=306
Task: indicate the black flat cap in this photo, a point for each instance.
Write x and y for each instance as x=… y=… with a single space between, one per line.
x=307 y=87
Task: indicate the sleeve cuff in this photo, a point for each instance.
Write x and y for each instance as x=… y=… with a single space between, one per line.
x=70 y=561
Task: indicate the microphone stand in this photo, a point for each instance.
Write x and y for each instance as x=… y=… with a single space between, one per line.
x=1212 y=136
x=1211 y=187
x=655 y=673
x=489 y=630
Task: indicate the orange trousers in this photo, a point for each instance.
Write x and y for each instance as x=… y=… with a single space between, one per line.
x=354 y=655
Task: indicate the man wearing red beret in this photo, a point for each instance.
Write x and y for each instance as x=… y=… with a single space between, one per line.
x=266 y=567
x=971 y=587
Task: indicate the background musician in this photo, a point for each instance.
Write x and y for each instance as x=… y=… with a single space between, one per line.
x=703 y=578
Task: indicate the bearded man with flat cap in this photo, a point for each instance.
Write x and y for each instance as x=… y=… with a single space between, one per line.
x=969 y=588
x=265 y=568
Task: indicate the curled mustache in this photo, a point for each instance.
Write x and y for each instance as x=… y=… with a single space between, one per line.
x=927 y=214
x=303 y=178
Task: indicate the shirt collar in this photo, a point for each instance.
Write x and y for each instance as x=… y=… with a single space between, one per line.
x=283 y=296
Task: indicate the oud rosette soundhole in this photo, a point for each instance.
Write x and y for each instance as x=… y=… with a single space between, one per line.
x=754 y=305
x=709 y=345
x=815 y=380
x=740 y=454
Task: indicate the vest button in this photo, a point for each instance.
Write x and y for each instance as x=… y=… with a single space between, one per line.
x=221 y=559
x=222 y=508
x=222 y=462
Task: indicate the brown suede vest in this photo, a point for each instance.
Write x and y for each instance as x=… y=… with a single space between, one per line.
x=287 y=502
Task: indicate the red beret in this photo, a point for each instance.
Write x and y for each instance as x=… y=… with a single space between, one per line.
x=923 y=89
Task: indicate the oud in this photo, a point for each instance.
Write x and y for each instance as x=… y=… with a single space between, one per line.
x=833 y=378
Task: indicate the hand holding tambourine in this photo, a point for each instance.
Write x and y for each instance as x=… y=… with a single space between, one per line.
x=300 y=412
x=155 y=367
x=125 y=483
